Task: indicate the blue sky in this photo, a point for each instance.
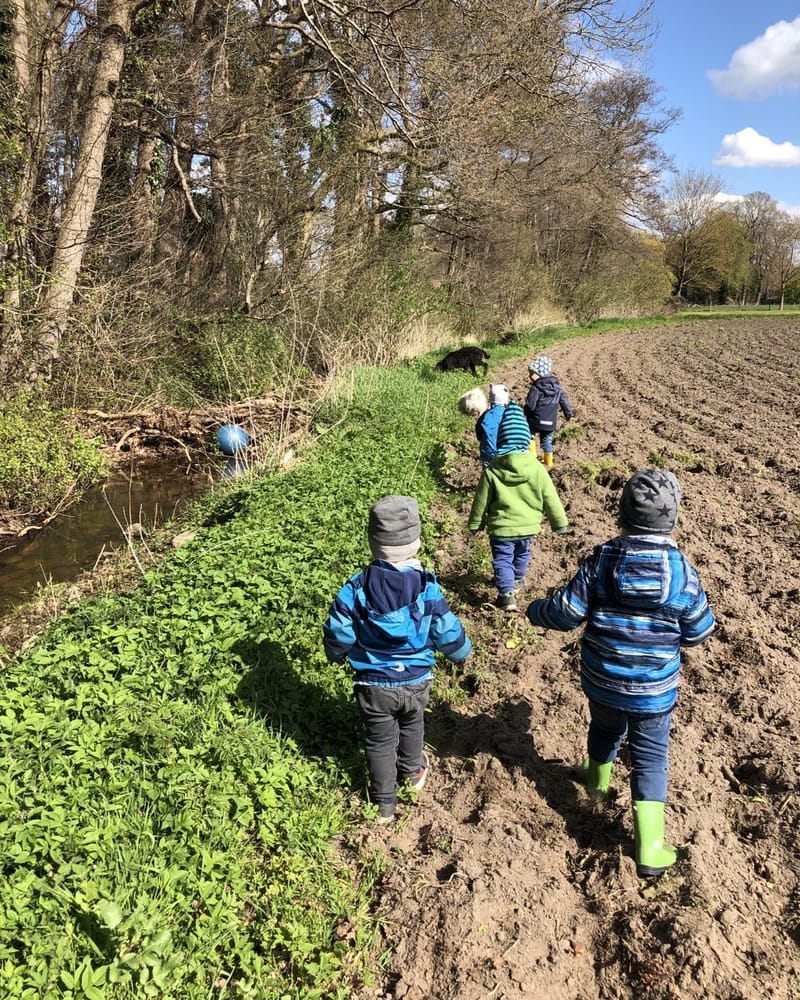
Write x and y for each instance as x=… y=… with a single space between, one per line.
x=733 y=68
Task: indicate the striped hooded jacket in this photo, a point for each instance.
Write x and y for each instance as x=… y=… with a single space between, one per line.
x=389 y=620
x=641 y=601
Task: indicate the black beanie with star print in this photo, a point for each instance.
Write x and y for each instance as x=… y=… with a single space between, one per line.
x=649 y=503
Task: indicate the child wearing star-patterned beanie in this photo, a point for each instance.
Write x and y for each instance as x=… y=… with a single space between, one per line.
x=641 y=601
x=544 y=400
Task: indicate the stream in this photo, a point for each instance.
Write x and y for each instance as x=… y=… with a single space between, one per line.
x=149 y=495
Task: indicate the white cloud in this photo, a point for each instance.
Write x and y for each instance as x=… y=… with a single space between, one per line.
x=736 y=199
x=728 y=199
x=768 y=65
x=747 y=148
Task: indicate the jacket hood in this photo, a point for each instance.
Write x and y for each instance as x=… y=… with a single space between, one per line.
x=390 y=586
x=514 y=467
x=641 y=572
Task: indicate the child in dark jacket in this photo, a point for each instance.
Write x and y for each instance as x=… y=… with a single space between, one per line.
x=641 y=601
x=389 y=620
x=545 y=398
x=513 y=495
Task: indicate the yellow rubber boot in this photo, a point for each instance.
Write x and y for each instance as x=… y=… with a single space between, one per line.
x=548 y=460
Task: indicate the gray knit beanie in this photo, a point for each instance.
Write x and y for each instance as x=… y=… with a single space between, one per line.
x=649 y=503
x=394 y=528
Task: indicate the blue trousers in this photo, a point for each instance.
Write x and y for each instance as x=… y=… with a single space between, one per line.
x=546 y=441
x=648 y=745
x=510 y=558
x=394 y=733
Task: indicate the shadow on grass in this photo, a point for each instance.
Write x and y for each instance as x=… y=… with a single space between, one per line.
x=322 y=721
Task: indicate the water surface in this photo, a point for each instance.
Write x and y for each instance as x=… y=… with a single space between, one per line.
x=150 y=495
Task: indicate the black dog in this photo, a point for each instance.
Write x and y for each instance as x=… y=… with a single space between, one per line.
x=467 y=358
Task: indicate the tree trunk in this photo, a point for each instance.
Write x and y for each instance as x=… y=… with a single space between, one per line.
x=32 y=47
x=79 y=206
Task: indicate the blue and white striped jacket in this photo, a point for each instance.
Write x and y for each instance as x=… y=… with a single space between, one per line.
x=389 y=620
x=641 y=601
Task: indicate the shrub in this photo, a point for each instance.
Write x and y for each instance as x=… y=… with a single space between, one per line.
x=43 y=459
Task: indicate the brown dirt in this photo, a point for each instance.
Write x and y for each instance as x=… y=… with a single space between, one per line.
x=505 y=879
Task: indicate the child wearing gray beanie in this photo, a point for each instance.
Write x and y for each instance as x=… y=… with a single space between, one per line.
x=389 y=620
x=641 y=601
x=542 y=404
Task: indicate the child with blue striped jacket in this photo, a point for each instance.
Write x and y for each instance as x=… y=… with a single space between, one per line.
x=641 y=601
x=389 y=621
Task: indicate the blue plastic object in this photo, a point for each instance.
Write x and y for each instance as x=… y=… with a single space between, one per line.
x=232 y=439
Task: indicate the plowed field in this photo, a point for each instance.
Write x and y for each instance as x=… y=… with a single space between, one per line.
x=507 y=880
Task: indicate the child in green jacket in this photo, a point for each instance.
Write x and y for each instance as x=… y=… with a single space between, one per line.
x=514 y=493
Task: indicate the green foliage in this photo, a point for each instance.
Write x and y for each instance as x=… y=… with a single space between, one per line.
x=591 y=470
x=43 y=459
x=220 y=358
x=177 y=760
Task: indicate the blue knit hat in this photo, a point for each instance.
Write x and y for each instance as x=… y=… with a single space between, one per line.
x=541 y=365
x=513 y=434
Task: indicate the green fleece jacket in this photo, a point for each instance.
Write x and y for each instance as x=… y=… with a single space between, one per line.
x=514 y=492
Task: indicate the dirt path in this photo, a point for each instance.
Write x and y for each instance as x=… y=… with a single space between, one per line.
x=507 y=881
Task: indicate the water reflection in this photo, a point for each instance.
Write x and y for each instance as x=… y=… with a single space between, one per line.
x=234 y=467
x=150 y=496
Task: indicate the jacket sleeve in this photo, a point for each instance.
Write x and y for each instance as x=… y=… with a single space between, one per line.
x=447 y=632
x=698 y=622
x=338 y=631
x=480 y=503
x=566 y=407
x=551 y=504
x=568 y=607
x=484 y=445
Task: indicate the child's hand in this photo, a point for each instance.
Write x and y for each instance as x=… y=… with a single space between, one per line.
x=564 y=530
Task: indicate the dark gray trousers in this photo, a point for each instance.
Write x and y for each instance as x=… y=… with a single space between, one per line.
x=394 y=732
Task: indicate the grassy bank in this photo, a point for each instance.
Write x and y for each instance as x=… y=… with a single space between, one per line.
x=178 y=759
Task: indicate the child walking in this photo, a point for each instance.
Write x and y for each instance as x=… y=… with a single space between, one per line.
x=641 y=601
x=545 y=398
x=389 y=620
x=487 y=413
x=489 y=422
x=513 y=495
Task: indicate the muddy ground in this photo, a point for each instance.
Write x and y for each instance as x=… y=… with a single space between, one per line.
x=506 y=880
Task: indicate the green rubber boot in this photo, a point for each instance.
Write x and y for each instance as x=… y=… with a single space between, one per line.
x=653 y=856
x=596 y=777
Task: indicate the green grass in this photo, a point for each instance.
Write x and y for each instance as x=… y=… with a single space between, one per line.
x=46 y=463
x=178 y=759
